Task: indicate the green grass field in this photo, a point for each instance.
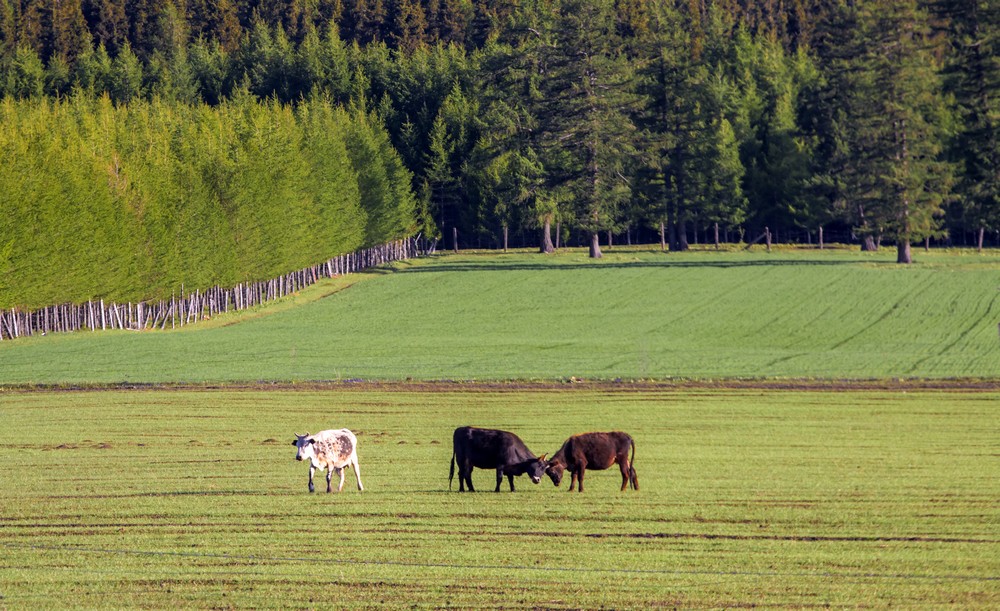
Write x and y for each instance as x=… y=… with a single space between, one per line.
x=632 y=315
x=781 y=461
x=153 y=499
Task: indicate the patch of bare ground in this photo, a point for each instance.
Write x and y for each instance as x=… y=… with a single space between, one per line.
x=616 y=385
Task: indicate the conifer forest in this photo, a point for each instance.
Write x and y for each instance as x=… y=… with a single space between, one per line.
x=147 y=145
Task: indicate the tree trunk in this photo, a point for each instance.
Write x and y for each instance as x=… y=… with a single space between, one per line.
x=716 y=236
x=547 y=247
x=454 y=239
x=663 y=243
x=610 y=239
x=682 y=236
x=868 y=244
x=558 y=233
x=505 y=236
x=903 y=252
x=595 y=246
x=979 y=240
x=767 y=236
x=821 y=237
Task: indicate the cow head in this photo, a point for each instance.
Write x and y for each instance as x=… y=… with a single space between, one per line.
x=537 y=468
x=304 y=443
x=555 y=471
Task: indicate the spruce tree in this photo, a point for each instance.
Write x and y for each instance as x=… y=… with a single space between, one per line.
x=882 y=116
x=510 y=150
x=587 y=130
x=899 y=111
x=972 y=76
x=690 y=148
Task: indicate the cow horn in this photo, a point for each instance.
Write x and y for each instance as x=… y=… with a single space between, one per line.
x=542 y=457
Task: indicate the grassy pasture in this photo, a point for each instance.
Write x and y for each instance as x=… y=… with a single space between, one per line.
x=158 y=498
x=632 y=315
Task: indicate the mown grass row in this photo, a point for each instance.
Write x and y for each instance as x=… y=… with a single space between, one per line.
x=632 y=315
x=164 y=498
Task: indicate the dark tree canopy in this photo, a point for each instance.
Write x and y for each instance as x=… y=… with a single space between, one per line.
x=542 y=121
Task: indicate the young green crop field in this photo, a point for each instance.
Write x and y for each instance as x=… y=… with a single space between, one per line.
x=192 y=498
x=812 y=428
x=632 y=315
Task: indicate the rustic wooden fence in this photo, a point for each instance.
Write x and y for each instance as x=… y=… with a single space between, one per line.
x=190 y=308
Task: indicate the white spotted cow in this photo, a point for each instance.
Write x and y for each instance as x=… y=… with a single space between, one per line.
x=330 y=450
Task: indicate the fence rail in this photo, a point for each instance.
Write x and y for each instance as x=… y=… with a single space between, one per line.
x=188 y=309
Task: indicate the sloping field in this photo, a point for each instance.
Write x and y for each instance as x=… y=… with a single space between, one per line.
x=192 y=499
x=631 y=315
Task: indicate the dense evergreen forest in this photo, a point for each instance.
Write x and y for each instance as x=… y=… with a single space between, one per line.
x=140 y=201
x=538 y=121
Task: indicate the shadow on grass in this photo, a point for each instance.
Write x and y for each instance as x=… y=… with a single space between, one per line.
x=502 y=266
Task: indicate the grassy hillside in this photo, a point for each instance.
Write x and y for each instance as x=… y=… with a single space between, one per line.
x=775 y=499
x=631 y=315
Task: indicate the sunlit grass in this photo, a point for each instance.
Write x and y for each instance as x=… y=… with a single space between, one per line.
x=774 y=498
x=633 y=315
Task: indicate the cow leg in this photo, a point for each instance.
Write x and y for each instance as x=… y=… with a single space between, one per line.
x=579 y=479
x=510 y=478
x=572 y=480
x=329 y=479
x=500 y=479
x=467 y=474
x=625 y=473
x=312 y=470
x=340 y=472
x=357 y=473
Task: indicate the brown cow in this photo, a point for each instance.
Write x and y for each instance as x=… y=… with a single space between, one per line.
x=596 y=451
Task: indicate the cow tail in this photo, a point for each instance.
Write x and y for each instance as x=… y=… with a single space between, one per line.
x=451 y=473
x=633 y=478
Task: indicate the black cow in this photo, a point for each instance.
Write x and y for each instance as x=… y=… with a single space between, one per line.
x=492 y=449
x=596 y=451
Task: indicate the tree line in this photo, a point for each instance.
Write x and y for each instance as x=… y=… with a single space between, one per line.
x=591 y=119
x=140 y=201
x=190 y=308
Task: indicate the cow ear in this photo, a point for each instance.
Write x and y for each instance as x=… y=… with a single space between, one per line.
x=295 y=443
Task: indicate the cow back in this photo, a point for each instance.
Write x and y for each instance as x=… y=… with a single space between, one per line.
x=334 y=448
x=598 y=450
x=489 y=448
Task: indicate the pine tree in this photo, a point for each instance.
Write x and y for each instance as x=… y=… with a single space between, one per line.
x=510 y=151
x=210 y=66
x=973 y=78
x=409 y=25
x=690 y=149
x=880 y=116
x=897 y=145
x=8 y=28
x=586 y=126
x=92 y=71
x=108 y=22
x=24 y=74
x=126 y=76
